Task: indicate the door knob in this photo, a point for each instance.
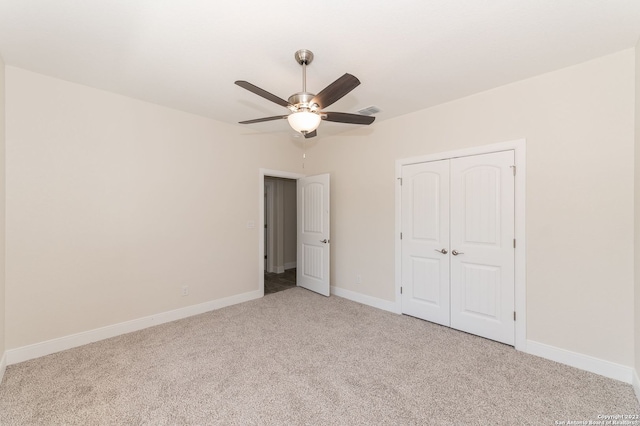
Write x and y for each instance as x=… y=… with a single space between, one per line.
x=324 y=241
x=443 y=251
x=455 y=253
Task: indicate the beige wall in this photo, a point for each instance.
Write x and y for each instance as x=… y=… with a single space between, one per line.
x=637 y=210
x=2 y=211
x=113 y=204
x=579 y=127
x=282 y=249
x=290 y=222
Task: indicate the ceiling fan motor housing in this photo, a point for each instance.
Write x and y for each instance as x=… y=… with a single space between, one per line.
x=302 y=101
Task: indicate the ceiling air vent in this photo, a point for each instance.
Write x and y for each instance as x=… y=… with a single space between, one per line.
x=369 y=110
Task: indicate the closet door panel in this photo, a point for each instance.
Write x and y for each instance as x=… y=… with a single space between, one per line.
x=482 y=252
x=425 y=234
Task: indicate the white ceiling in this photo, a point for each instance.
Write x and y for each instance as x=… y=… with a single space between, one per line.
x=408 y=54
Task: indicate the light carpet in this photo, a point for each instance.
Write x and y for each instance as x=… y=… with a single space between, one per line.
x=298 y=358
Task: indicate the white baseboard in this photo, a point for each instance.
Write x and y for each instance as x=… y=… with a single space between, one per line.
x=290 y=265
x=385 y=305
x=3 y=365
x=279 y=269
x=635 y=382
x=583 y=362
x=14 y=356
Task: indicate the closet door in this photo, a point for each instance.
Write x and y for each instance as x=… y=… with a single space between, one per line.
x=482 y=252
x=425 y=241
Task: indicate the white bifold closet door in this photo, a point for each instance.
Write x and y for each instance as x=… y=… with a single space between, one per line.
x=457 y=243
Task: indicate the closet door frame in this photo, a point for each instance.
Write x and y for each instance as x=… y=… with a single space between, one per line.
x=519 y=148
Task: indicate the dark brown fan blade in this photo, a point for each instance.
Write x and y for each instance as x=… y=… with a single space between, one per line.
x=344 y=117
x=335 y=90
x=311 y=134
x=261 y=92
x=260 y=120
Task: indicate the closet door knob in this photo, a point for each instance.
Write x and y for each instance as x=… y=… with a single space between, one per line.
x=443 y=251
x=455 y=253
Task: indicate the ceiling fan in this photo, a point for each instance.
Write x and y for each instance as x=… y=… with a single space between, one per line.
x=307 y=108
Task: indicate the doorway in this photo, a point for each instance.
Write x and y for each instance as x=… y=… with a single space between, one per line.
x=280 y=228
x=312 y=262
x=262 y=175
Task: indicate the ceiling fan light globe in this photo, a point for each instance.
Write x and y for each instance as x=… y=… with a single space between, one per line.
x=304 y=121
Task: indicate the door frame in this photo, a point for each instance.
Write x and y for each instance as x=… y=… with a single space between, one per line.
x=261 y=175
x=520 y=278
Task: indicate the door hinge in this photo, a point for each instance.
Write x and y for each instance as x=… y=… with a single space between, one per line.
x=401 y=235
x=400 y=290
x=514 y=169
x=514 y=315
x=265 y=256
x=400 y=179
x=514 y=243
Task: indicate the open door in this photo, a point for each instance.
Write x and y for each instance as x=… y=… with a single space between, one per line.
x=313 y=234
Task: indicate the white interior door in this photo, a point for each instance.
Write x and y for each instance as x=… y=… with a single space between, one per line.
x=425 y=241
x=482 y=239
x=313 y=234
